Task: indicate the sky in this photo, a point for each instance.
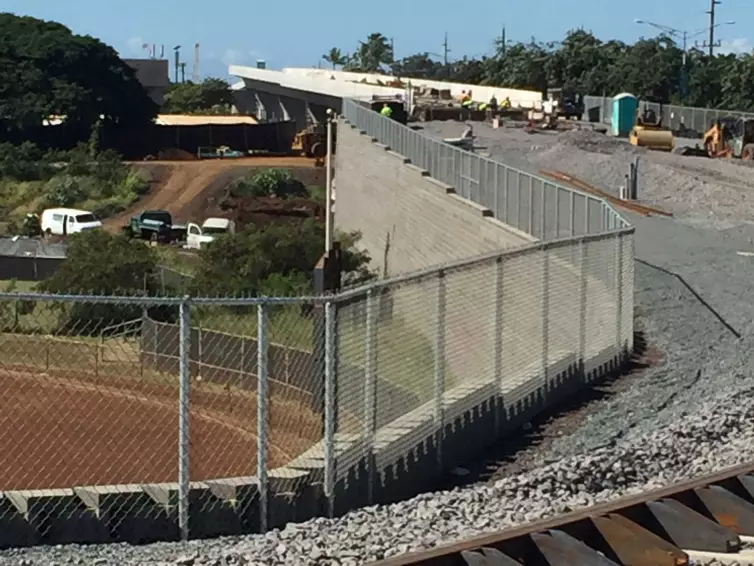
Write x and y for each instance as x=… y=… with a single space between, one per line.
x=297 y=33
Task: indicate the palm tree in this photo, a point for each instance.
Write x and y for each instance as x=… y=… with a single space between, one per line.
x=335 y=56
x=375 y=52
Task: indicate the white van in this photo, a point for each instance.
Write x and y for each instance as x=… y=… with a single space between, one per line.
x=64 y=221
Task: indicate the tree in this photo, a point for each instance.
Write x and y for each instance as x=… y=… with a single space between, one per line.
x=275 y=259
x=47 y=70
x=100 y=263
x=335 y=57
x=650 y=68
x=372 y=55
x=278 y=183
x=211 y=96
x=419 y=65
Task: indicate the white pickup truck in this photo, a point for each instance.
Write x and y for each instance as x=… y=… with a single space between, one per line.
x=196 y=235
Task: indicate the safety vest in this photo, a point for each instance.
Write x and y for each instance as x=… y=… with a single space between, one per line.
x=386 y=111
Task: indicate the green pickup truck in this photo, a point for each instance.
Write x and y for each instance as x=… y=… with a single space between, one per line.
x=156 y=226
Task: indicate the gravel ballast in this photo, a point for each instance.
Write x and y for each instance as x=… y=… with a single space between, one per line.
x=717 y=434
x=698 y=190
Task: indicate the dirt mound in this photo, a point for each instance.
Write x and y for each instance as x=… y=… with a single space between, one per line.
x=260 y=211
x=595 y=142
x=186 y=188
x=174 y=154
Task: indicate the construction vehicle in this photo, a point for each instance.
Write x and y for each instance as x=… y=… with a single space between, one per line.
x=312 y=142
x=731 y=138
x=569 y=104
x=649 y=132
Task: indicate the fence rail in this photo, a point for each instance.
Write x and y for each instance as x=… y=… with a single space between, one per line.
x=688 y=121
x=537 y=206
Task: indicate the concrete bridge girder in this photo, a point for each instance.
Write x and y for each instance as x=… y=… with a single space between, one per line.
x=270 y=102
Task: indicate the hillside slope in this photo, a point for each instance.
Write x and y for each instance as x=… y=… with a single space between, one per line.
x=184 y=188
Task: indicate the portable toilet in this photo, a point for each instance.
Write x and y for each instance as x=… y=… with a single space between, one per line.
x=625 y=106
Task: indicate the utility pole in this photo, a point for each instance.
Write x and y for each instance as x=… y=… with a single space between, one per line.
x=503 y=42
x=711 y=45
x=177 y=50
x=445 y=50
x=196 y=77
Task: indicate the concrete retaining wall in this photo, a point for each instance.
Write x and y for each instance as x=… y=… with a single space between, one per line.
x=408 y=220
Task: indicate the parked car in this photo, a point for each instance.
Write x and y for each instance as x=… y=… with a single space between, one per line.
x=64 y=221
x=155 y=225
x=196 y=235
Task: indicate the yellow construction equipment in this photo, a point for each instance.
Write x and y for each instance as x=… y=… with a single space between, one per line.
x=648 y=131
x=311 y=142
x=731 y=138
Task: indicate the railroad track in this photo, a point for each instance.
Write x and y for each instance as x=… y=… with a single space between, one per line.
x=706 y=521
x=577 y=183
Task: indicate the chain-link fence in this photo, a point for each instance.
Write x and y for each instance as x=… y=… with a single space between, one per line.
x=416 y=354
x=141 y=419
x=155 y=411
x=134 y=401
x=687 y=121
x=535 y=205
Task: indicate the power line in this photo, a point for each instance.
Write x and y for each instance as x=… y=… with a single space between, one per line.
x=711 y=44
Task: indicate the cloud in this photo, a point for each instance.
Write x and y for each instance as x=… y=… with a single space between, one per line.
x=136 y=45
x=240 y=56
x=736 y=46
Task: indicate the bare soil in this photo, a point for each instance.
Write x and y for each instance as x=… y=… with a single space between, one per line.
x=61 y=430
x=188 y=189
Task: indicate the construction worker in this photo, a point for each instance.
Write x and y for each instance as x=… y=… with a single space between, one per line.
x=506 y=104
x=386 y=111
x=492 y=104
x=467 y=101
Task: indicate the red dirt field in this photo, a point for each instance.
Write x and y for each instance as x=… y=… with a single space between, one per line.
x=58 y=431
x=186 y=188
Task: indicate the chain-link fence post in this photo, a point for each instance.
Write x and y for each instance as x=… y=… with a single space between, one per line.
x=184 y=438
x=439 y=363
x=583 y=260
x=262 y=411
x=619 y=297
x=370 y=391
x=545 y=318
x=587 y=226
x=499 y=289
x=330 y=407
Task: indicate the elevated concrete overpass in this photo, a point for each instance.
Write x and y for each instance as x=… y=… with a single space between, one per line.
x=277 y=95
x=304 y=94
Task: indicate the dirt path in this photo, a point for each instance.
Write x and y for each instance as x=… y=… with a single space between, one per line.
x=182 y=187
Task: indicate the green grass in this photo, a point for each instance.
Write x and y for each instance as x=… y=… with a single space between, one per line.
x=18 y=198
x=178 y=259
x=286 y=326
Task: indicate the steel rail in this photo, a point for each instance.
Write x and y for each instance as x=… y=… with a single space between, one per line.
x=661 y=527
